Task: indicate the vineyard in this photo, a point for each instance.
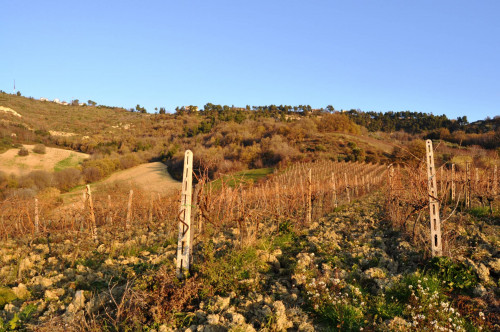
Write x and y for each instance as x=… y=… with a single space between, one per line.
x=313 y=246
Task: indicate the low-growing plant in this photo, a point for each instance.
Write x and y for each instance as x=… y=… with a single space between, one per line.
x=223 y=271
x=421 y=301
x=23 y=152
x=454 y=275
x=6 y=296
x=39 y=148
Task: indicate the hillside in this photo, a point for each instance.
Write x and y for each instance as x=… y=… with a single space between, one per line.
x=227 y=139
x=304 y=221
x=53 y=160
x=80 y=120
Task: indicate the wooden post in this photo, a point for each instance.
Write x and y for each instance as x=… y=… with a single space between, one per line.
x=391 y=180
x=334 y=187
x=476 y=184
x=150 y=212
x=110 y=214
x=452 y=182
x=91 y=212
x=495 y=180
x=184 y=242
x=355 y=185
x=441 y=180
x=37 y=220
x=347 y=188
x=467 y=185
x=129 y=209
x=436 y=245
x=309 y=198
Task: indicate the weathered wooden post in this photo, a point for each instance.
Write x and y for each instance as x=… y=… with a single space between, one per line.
x=150 y=212
x=109 y=219
x=309 y=198
x=495 y=180
x=452 y=182
x=184 y=242
x=37 y=220
x=91 y=213
x=436 y=245
x=129 y=209
x=441 y=180
x=334 y=187
x=476 y=184
x=391 y=179
x=347 y=188
x=467 y=185
x=356 y=186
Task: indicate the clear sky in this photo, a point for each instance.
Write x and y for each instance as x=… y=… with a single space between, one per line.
x=433 y=56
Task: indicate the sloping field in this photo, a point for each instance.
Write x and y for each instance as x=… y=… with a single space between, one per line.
x=382 y=145
x=53 y=159
x=150 y=177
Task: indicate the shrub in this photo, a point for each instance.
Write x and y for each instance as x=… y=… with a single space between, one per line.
x=68 y=178
x=23 y=152
x=41 y=179
x=454 y=275
x=92 y=174
x=39 y=148
x=128 y=161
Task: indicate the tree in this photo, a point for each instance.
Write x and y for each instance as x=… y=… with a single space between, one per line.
x=91 y=102
x=140 y=109
x=162 y=110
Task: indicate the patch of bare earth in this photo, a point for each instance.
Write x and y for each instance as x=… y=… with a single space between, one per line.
x=151 y=177
x=12 y=163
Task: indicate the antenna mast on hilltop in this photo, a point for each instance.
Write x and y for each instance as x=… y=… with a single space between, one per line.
x=14 y=86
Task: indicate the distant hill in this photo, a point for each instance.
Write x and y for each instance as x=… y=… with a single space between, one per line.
x=228 y=139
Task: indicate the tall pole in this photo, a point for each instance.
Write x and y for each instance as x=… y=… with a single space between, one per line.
x=184 y=242
x=436 y=245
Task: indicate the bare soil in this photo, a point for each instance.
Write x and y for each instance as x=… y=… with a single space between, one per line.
x=12 y=163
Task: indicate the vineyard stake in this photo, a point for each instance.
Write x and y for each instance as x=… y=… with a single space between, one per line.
x=347 y=188
x=452 y=182
x=436 y=245
x=467 y=185
x=495 y=180
x=129 y=209
x=150 y=214
x=309 y=198
x=92 y=215
x=334 y=190
x=37 y=220
x=110 y=213
x=184 y=242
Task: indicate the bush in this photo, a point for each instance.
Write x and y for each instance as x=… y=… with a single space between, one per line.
x=23 y=152
x=40 y=149
x=92 y=174
x=41 y=179
x=68 y=178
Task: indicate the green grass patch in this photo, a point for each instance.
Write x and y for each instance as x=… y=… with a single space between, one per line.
x=6 y=296
x=479 y=212
x=224 y=271
x=243 y=177
x=72 y=161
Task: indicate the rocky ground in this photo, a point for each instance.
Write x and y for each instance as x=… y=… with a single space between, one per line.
x=347 y=271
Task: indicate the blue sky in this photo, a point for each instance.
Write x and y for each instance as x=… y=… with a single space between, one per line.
x=440 y=57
